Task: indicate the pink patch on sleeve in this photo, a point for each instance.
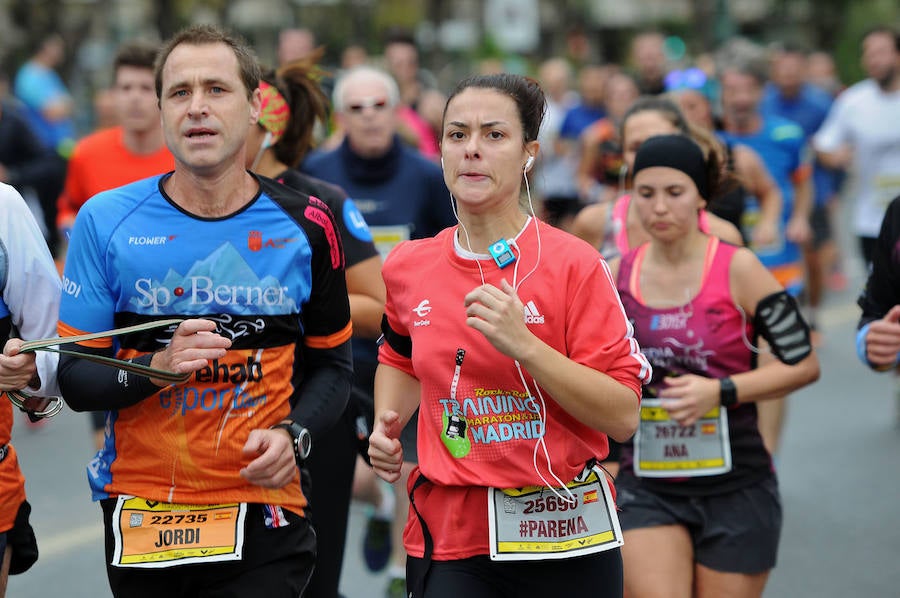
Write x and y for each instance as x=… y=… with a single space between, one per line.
x=317 y=211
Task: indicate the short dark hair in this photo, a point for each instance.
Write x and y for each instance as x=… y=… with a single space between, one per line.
x=399 y=35
x=37 y=43
x=524 y=91
x=199 y=35
x=137 y=54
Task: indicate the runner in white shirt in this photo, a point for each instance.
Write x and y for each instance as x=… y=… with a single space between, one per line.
x=863 y=131
x=29 y=304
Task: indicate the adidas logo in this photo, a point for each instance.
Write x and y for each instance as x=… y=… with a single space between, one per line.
x=532 y=315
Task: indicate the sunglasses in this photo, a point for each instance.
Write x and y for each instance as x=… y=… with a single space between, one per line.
x=358 y=107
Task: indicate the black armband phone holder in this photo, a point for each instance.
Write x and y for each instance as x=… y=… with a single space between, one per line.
x=398 y=342
x=779 y=321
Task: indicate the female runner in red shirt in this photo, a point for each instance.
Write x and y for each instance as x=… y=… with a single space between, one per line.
x=510 y=337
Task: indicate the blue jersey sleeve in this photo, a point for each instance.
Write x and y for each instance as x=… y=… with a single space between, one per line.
x=88 y=303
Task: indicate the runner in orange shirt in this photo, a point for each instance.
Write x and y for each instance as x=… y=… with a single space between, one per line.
x=133 y=150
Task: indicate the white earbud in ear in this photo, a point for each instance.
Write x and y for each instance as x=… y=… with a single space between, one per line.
x=528 y=163
x=442 y=162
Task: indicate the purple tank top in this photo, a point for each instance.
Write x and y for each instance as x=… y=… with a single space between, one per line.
x=706 y=336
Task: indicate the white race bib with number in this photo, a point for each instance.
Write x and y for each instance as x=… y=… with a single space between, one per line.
x=665 y=449
x=533 y=523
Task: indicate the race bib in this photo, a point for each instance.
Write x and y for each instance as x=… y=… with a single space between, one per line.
x=533 y=523
x=155 y=534
x=386 y=238
x=665 y=449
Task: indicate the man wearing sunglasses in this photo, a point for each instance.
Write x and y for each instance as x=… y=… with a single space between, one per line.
x=29 y=303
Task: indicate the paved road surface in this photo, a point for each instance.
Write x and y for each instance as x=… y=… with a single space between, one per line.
x=840 y=483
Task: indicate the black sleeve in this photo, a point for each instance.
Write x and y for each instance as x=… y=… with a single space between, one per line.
x=882 y=290
x=325 y=388
x=89 y=386
x=321 y=395
x=356 y=249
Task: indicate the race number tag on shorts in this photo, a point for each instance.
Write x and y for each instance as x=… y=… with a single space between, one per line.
x=156 y=534
x=887 y=187
x=386 y=238
x=665 y=449
x=533 y=523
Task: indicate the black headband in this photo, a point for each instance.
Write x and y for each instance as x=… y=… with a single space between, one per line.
x=678 y=152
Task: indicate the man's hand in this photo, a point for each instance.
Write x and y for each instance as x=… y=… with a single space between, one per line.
x=798 y=230
x=194 y=343
x=272 y=453
x=883 y=339
x=385 y=451
x=840 y=159
x=764 y=233
x=17 y=370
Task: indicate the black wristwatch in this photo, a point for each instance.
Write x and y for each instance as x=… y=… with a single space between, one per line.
x=727 y=392
x=302 y=440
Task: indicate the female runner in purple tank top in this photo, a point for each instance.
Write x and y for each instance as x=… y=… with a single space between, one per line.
x=613 y=227
x=697 y=491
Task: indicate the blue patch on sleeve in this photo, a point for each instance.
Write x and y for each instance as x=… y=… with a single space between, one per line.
x=354 y=221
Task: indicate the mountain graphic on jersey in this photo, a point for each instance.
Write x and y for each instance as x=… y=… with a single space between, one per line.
x=235 y=288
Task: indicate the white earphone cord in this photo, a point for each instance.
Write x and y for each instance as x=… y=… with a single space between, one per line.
x=541 y=442
x=266 y=144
